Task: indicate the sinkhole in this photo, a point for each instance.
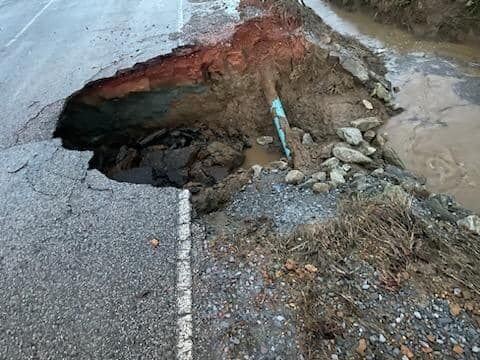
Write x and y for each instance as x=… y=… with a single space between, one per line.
x=190 y=118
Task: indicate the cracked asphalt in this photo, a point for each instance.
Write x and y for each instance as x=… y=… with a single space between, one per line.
x=78 y=275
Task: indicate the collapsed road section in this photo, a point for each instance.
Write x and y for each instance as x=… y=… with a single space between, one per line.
x=319 y=253
x=185 y=119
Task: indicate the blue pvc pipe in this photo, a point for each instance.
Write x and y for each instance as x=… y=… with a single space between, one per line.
x=278 y=116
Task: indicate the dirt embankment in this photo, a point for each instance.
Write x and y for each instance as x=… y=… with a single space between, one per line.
x=444 y=19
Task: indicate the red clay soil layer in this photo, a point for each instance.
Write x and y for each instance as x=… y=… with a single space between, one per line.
x=256 y=43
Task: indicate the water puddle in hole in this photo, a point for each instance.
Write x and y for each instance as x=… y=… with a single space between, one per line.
x=438 y=136
x=261 y=155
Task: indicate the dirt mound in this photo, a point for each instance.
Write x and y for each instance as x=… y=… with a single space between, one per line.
x=444 y=19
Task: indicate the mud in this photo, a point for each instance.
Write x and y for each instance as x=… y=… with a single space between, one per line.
x=190 y=118
x=443 y=19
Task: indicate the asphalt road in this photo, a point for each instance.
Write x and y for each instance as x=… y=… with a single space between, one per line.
x=78 y=276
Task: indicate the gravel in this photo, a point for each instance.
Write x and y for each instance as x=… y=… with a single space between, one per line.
x=287 y=205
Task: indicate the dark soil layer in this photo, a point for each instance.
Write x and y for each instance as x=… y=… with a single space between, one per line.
x=444 y=19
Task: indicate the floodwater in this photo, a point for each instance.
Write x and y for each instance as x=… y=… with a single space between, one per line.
x=438 y=134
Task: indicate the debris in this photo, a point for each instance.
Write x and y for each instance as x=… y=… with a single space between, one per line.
x=457 y=349
x=336 y=176
x=319 y=176
x=391 y=157
x=154 y=242
x=307 y=139
x=294 y=177
x=368 y=105
x=381 y=92
x=264 y=140
x=279 y=164
x=471 y=223
x=405 y=350
x=257 y=171
x=355 y=67
x=455 y=309
x=290 y=265
x=320 y=187
x=427 y=349
x=367 y=123
x=351 y=135
x=362 y=346
x=331 y=163
x=350 y=155
x=369 y=135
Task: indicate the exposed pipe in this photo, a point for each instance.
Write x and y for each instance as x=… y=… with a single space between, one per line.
x=281 y=124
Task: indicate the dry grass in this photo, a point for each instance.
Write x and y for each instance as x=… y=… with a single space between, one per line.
x=390 y=236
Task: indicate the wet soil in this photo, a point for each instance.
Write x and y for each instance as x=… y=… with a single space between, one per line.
x=444 y=19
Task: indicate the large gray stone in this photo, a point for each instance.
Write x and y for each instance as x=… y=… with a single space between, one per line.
x=351 y=135
x=294 y=177
x=331 y=163
x=471 y=223
x=350 y=155
x=355 y=67
x=336 y=176
x=365 y=124
x=320 y=187
x=391 y=157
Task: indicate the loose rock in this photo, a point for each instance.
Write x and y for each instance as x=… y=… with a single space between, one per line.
x=336 y=177
x=257 y=170
x=264 y=140
x=362 y=346
x=368 y=105
x=391 y=157
x=356 y=68
x=350 y=155
x=351 y=135
x=294 y=177
x=307 y=139
x=471 y=223
x=319 y=176
x=320 y=187
x=366 y=149
x=280 y=165
x=365 y=124
x=369 y=135
x=331 y=163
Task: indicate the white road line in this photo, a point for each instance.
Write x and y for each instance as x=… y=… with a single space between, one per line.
x=184 y=280
x=25 y=28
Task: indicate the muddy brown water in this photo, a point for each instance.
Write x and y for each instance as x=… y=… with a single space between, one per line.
x=438 y=134
x=260 y=155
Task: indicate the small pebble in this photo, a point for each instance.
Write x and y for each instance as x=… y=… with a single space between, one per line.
x=476 y=349
x=381 y=338
x=417 y=315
